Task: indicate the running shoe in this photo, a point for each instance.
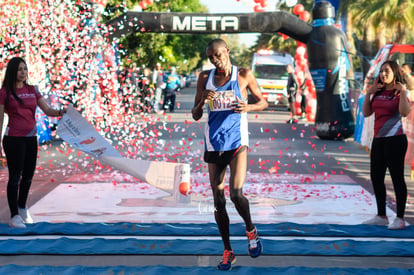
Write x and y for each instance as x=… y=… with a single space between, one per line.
x=292 y=121
x=255 y=245
x=228 y=260
x=17 y=222
x=377 y=220
x=24 y=213
x=398 y=223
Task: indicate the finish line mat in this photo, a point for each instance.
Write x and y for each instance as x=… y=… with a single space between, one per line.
x=107 y=245
x=164 y=239
x=113 y=198
x=203 y=229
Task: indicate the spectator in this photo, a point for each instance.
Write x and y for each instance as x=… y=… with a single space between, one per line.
x=146 y=91
x=19 y=100
x=172 y=81
x=292 y=87
x=388 y=99
x=158 y=82
x=408 y=79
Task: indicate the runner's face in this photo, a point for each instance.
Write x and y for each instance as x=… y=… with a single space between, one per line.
x=386 y=74
x=218 y=56
x=21 y=72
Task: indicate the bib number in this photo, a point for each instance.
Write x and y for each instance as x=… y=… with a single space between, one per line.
x=223 y=102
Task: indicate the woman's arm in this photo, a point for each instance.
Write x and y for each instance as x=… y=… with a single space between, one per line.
x=404 y=105
x=1 y=128
x=41 y=102
x=366 y=106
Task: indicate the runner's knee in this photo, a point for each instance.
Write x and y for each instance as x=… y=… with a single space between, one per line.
x=237 y=196
x=219 y=200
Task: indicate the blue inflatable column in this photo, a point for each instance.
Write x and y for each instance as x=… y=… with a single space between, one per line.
x=328 y=64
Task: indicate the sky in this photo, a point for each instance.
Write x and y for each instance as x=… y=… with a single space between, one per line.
x=233 y=6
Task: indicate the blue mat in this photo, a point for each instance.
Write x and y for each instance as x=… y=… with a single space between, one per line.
x=177 y=229
x=156 y=270
x=130 y=246
x=164 y=239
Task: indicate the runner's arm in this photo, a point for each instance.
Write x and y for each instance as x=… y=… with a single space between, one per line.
x=200 y=99
x=252 y=86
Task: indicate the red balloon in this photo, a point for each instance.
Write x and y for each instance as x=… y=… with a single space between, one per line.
x=258 y=8
x=305 y=16
x=312 y=91
x=149 y=2
x=297 y=108
x=298 y=9
x=184 y=188
x=143 y=5
x=304 y=62
x=263 y=3
x=308 y=82
x=310 y=117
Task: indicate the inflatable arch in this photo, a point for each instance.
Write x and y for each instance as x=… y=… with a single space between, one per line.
x=325 y=45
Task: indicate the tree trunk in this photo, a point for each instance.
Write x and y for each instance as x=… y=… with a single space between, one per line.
x=366 y=50
x=380 y=39
x=400 y=35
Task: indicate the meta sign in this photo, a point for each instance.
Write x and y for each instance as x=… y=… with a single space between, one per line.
x=205 y=23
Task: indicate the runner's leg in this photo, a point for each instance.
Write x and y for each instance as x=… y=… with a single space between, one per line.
x=217 y=173
x=238 y=167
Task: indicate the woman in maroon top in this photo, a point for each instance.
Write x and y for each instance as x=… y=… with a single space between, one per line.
x=19 y=100
x=389 y=100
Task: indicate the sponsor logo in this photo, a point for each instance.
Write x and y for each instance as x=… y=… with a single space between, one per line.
x=205 y=23
x=71 y=128
x=88 y=141
x=323 y=127
x=343 y=84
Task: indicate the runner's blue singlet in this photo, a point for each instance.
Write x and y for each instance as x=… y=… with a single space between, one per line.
x=225 y=130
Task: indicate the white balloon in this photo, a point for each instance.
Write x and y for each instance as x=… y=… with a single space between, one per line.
x=291 y=3
x=301 y=50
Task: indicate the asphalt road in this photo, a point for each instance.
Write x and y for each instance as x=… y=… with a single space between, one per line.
x=275 y=147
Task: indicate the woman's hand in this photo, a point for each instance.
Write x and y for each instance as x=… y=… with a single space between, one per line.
x=374 y=88
x=399 y=87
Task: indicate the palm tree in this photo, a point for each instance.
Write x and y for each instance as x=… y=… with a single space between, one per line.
x=379 y=21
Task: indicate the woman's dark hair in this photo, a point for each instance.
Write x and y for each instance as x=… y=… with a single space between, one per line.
x=10 y=77
x=395 y=69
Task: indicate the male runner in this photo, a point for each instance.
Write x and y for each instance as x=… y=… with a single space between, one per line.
x=224 y=91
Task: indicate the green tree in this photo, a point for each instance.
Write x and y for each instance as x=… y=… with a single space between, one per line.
x=275 y=41
x=182 y=51
x=383 y=21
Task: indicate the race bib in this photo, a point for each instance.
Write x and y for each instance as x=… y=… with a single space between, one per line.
x=223 y=102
